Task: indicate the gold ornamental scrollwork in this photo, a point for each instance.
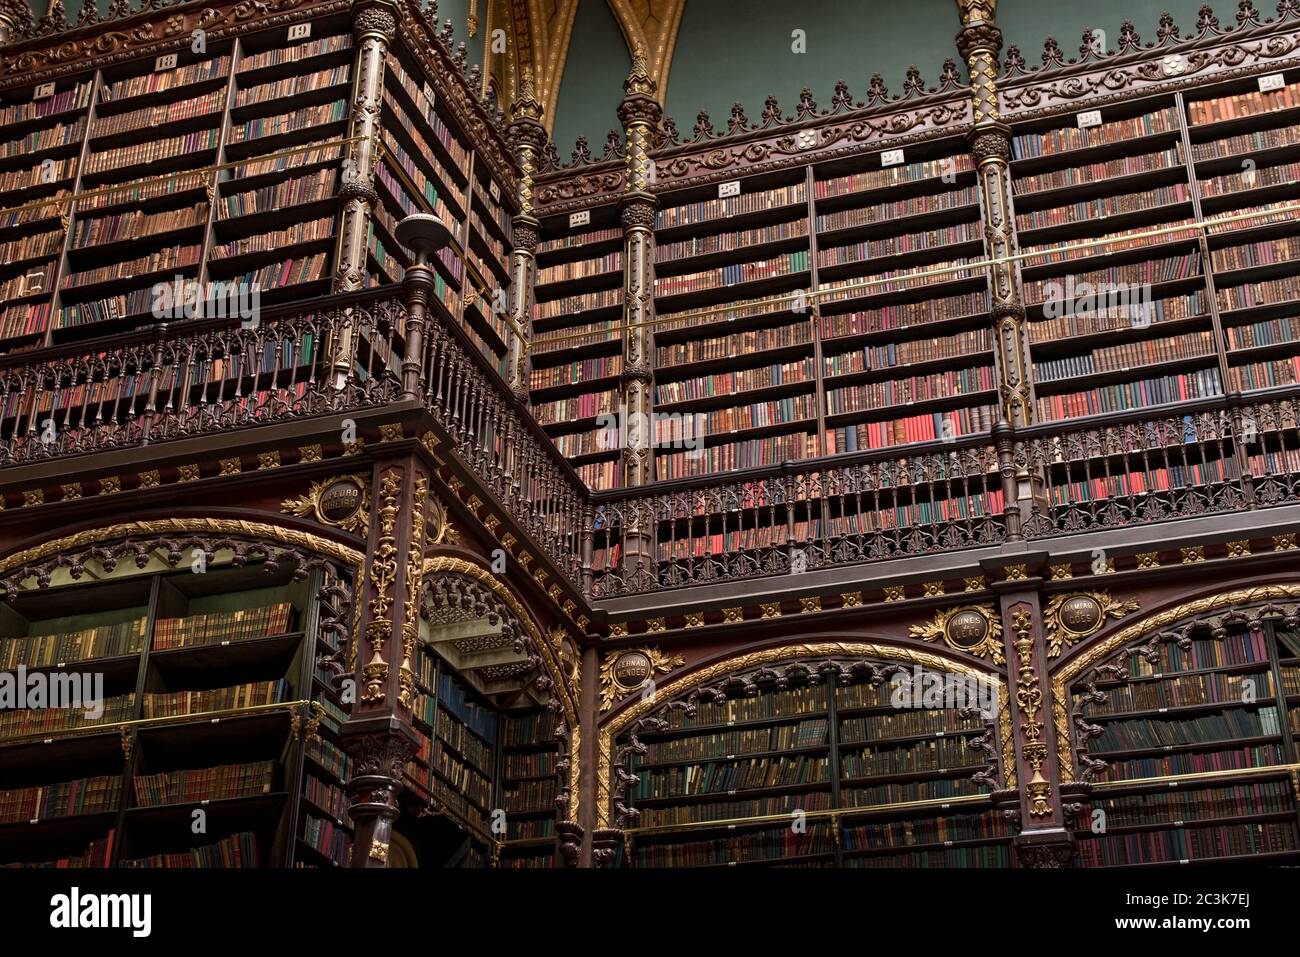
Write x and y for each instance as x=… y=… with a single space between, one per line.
x=1073 y=616
x=342 y=501
x=974 y=629
x=631 y=669
x=1029 y=698
x=383 y=573
x=410 y=616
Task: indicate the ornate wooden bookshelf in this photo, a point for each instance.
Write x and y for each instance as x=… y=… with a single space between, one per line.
x=1189 y=746
x=213 y=712
x=825 y=773
x=485 y=773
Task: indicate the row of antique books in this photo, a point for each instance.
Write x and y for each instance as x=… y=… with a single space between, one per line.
x=99 y=641
x=239 y=625
x=1190 y=844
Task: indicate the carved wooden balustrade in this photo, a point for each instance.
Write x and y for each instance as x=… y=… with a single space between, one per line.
x=313 y=359
x=1221 y=456
x=503 y=445
x=171 y=383
x=800 y=518
x=318 y=359
x=1227 y=457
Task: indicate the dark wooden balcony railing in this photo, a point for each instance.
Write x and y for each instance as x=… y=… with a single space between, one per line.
x=804 y=517
x=345 y=353
x=504 y=446
x=334 y=356
x=1215 y=456
x=174 y=382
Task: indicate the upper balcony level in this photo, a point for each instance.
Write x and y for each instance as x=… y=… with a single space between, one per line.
x=874 y=485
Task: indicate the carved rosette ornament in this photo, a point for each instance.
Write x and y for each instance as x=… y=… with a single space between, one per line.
x=1074 y=616
x=528 y=136
x=979 y=42
x=631 y=670
x=373 y=28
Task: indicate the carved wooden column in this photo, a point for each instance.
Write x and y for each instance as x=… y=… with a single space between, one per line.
x=378 y=734
x=528 y=137
x=979 y=42
x=640 y=114
x=1044 y=840
x=373 y=28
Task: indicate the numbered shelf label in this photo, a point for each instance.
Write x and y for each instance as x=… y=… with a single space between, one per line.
x=300 y=31
x=580 y=219
x=891 y=158
x=165 y=62
x=1274 y=81
x=1089 y=118
x=494 y=190
x=43 y=91
x=729 y=188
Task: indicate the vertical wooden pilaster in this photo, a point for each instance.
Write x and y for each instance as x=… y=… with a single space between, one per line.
x=979 y=42
x=528 y=137
x=640 y=114
x=589 y=749
x=1044 y=839
x=373 y=28
x=378 y=734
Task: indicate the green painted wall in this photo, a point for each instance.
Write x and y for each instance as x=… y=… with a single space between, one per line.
x=740 y=50
x=1027 y=23
x=732 y=51
x=592 y=84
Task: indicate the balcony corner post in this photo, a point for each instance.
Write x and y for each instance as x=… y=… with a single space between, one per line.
x=424 y=234
x=1004 y=438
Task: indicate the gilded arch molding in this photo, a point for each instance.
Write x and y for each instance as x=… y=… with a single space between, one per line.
x=161 y=526
x=537 y=43
x=1159 y=621
x=764 y=656
x=446 y=564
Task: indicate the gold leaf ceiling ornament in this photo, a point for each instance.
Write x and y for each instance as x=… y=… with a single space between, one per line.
x=652 y=25
x=537 y=45
x=538 y=34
